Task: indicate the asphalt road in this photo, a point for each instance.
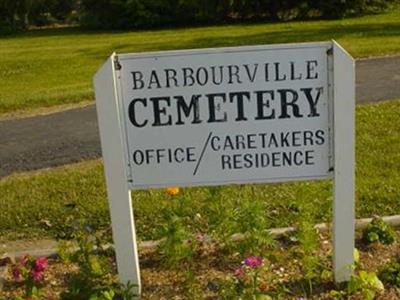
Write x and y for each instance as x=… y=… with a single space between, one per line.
x=72 y=135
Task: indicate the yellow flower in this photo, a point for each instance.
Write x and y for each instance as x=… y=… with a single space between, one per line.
x=173 y=191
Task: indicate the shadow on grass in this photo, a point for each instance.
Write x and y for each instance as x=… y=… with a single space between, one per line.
x=288 y=33
x=291 y=35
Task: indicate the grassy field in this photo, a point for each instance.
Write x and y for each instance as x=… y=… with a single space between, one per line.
x=55 y=66
x=51 y=203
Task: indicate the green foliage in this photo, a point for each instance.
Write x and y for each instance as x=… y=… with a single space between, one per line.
x=379 y=232
x=362 y=282
x=241 y=213
x=151 y=13
x=112 y=14
x=365 y=283
x=308 y=245
x=177 y=245
x=14 y=15
x=20 y=14
x=390 y=273
x=45 y=12
x=103 y=13
x=121 y=14
x=251 y=222
x=148 y=13
x=127 y=292
x=119 y=292
x=93 y=280
x=338 y=8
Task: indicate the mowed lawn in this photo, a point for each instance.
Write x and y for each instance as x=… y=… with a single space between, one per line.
x=55 y=66
x=53 y=202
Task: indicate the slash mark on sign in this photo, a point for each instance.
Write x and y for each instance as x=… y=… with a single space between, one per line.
x=202 y=153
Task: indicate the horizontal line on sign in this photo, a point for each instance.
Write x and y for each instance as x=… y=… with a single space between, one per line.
x=226 y=182
x=189 y=52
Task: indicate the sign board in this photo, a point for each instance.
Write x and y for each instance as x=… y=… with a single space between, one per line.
x=208 y=117
x=254 y=114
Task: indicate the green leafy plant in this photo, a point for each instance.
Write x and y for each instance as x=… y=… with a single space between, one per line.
x=178 y=250
x=307 y=238
x=379 y=232
x=390 y=273
x=365 y=283
x=94 y=279
x=221 y=213
x=104 y=295
x=177 y=245
x=253 y=225
x=119 y=292
x=240 y=222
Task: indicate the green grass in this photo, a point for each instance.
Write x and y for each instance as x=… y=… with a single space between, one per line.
x=54 y=66
x=76 y=192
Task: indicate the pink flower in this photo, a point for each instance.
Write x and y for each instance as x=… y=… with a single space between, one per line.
x=253 y=261
x=37 y=276
x=41 y=264
x=17 y=275
x=239 y=272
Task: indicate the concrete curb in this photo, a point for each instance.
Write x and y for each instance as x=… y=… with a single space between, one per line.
x=151 y=245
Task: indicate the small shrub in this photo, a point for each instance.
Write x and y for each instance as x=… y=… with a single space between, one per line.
x=177 y=246
x=362 y=282
x=94 y=279
x=391 y=273
x=379 y=232
x=246 y=216
x=307 y=247
x=365 y=283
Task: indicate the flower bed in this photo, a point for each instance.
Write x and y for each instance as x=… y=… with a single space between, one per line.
x=212 y=271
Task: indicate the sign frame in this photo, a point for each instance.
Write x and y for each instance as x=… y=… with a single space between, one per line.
x=341 y=98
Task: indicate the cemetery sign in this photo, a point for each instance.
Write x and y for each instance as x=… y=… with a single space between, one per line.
x=238 y=115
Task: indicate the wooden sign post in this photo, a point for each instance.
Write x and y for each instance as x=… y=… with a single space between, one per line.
x=238 y=115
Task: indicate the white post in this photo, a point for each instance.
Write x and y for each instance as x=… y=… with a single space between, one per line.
x=123 y=226
x=344 y=157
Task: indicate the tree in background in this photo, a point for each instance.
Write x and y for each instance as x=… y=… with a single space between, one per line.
x=164 y=13
x=14 y=14
x=129 y=14
x=46 y=12
x=334 y=9
x=20 y=14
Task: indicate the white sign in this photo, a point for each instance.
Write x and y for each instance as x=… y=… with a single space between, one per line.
x=206 y=117
x=231 y=115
